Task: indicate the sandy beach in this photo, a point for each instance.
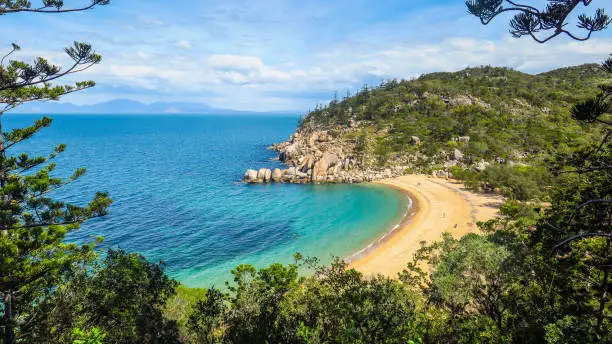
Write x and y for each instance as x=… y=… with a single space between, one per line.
x=439 y=205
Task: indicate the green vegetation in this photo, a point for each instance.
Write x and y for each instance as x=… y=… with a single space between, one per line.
x=34 y=258
x=522 y=182
x=274 y=305
x=535 y=275
x=122 y=296
x=505 y=117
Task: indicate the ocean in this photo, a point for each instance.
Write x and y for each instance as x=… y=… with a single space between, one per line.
x=175 y=180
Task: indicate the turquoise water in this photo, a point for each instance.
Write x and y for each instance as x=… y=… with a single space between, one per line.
x=178 y=197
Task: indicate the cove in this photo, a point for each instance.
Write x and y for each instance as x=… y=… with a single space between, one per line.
x=175 y=180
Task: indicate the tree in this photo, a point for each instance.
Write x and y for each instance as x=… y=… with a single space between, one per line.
x=541 y=25
x=122 y=296
x=468 y=286
x=33 y=255
x=573 y=239
x=336 y=305
x=207 y=317
x=48 y=6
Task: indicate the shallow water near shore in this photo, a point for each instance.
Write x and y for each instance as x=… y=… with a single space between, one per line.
x=178 y=198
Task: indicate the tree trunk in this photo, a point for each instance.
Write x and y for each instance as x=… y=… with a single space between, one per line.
x=604 y=288
x=9 y=331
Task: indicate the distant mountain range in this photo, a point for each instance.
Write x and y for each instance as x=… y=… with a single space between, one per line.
x=126 y=106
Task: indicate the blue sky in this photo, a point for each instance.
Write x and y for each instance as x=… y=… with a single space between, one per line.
x=279 y=55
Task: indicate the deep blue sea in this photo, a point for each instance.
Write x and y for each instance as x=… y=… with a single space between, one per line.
x=175 y=180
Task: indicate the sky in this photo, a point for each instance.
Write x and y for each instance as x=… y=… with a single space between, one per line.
x=271 y=55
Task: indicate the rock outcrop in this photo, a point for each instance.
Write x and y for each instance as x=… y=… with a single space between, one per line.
x=250 y=176
x=277 y=175
x=457 y=155
x=322 y=156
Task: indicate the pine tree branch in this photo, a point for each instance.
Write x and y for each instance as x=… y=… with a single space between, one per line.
x=15 y=48
x=524 y=7
x=509 y=9
x=73 y=69
x=47 y=224
x=581 y=236
x=26 y=169
x=542 y=41
x=48 y=191
x=46 y=9
x=13 y=104
x=530 y=20
x=587 y=203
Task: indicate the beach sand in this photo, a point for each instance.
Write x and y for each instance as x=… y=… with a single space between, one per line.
x=439 y=205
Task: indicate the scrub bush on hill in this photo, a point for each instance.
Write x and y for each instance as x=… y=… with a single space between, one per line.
x=520 y=182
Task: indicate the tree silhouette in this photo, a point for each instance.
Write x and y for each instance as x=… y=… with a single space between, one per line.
x=47 y=6
x=541 y=24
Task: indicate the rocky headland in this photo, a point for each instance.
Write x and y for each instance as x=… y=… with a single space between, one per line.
x=478 y=125
x=343 y=154
x=321 y=156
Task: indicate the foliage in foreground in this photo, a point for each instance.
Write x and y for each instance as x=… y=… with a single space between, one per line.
x=507 y=285
x=274 y=305
x=34 y=258
x=118 y=300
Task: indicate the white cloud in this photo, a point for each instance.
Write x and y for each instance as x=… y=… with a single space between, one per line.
x=235 y=78
x=184 y=44
x=256 y=83
x=245 y=70
x=272 y=54
x=235 y=63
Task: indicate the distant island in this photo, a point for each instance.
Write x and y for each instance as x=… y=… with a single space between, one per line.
x=127 y=106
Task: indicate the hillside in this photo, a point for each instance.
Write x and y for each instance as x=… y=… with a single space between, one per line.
x=489 y=126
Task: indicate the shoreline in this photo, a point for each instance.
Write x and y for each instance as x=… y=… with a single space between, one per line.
x=409 y=213
x=438 y=206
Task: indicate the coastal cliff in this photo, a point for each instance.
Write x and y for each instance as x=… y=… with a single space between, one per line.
x=477 y=123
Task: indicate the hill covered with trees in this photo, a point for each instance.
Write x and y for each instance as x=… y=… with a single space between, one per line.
x=495 y=128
